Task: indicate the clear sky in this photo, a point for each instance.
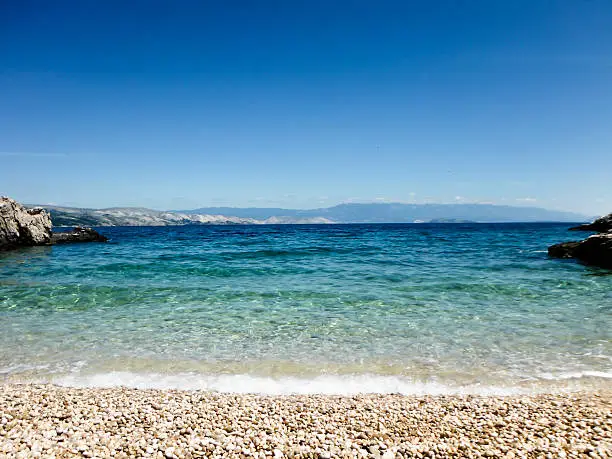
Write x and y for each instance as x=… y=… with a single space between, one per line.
x=179 y=104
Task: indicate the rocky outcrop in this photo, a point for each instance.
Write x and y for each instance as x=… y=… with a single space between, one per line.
x=596 y=250
x=601 y=225
x=78 y=235
x=563 y=249
x=22 y=227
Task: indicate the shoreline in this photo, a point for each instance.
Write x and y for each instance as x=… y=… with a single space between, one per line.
x=347 y=385
x=38 y=420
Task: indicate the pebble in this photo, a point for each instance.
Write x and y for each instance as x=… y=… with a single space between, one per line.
x=51 y=421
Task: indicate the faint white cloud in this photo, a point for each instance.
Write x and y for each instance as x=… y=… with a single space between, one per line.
x=526 y=199
x=459 y=198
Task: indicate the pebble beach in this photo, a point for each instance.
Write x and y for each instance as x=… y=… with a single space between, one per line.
x=54 y=421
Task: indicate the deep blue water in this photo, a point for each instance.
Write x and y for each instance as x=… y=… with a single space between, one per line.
x=309 y=308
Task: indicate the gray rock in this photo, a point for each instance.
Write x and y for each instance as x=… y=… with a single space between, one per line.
x=20 y=227
x=601 y=225
x=78 y=235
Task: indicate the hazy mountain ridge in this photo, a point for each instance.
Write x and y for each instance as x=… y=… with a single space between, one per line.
x=405 y=213
x=342 y=213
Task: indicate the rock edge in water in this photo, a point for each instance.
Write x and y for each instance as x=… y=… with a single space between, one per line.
x=601 y=225
x=596 y=250
x=78 y=234
x=23 y=227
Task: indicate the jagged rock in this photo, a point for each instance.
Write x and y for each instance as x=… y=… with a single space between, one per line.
x=78 y=235
x=21 y=227
x=601 y=225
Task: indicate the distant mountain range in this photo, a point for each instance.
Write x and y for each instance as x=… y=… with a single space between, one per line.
x=405 y=213
x=342 y=213
x=130 y=216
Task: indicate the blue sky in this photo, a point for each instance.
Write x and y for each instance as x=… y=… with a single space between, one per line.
x=306 y=103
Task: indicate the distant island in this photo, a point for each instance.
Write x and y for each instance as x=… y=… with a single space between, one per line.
x=342 y=213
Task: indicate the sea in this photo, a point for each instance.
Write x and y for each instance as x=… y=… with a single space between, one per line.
x=331 y=309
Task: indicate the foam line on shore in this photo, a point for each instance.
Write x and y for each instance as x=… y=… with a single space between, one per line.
x=577 y=375
x=243 y=383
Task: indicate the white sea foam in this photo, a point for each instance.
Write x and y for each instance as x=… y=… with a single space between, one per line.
x=243 y=383
x=577 y=375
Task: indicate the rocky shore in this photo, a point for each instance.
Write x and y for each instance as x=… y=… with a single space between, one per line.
x=78 y=234
x=23 y=227
x=51 y=421
x=596 y=250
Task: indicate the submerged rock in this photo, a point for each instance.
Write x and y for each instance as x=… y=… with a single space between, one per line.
x=78 y=235
x=21 y=227
x=596 y=250
x=601 y=225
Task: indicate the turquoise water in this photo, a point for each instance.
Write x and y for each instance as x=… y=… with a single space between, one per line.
x=341 y=308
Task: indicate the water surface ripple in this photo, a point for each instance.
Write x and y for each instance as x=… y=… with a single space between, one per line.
x=374 y=308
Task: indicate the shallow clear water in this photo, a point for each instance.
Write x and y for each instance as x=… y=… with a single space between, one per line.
x=342 y=308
